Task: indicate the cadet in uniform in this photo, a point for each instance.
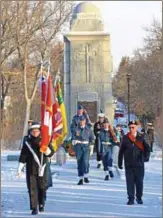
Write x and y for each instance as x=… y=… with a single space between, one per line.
x=76 y=119
x=105 y=149
x=135 y=151
x=150 y=135
x=36 y=177
x=97 y=127
x=82 y=138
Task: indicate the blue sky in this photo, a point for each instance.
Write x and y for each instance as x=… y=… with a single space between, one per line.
x=124 y=21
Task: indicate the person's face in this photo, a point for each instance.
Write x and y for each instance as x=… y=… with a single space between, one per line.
x=35 y=132
x=82 y=122
x=118 y=128
x=80 y=111
x=30 y=123
x=106 y=125
x=101 y=119
x=133 y=128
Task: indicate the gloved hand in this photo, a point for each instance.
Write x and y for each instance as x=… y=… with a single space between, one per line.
x=19 y=174
x=73 y=142
x=48 y=151
x=91 y=149
x=20 y=168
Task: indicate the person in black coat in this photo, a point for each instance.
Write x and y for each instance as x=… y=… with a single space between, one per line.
x=36 y=163
x=150 y=134
x=97 y=128
x=135 y=150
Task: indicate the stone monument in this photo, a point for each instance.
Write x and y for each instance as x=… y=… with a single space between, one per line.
x=87 y=64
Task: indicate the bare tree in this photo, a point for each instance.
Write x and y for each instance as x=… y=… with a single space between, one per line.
x=48 y=19
x=146 y=70
x=30 y=28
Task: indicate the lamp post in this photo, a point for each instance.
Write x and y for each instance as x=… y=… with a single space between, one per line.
x=128 y=83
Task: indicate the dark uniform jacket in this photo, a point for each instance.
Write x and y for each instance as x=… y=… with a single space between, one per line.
x=76 y=121
x=97 y=132
x=105 y=137
x=83 y=134
x=150 y=133
x=133 y=156
x=26 y=156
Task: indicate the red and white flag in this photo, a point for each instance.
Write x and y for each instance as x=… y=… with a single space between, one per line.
x=46 y=112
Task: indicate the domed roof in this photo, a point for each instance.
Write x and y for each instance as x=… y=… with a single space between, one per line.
x=86 y=8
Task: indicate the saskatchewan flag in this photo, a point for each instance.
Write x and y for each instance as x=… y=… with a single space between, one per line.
x=59 y=118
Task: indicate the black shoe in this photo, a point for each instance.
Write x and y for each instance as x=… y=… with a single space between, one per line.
x=139 y=201
x=41 y=208
x=86 y=180
x=98 y=166
x=80 y=182
x=130 y=202
x=111 y=174
x=34 y=211
x=106 y=178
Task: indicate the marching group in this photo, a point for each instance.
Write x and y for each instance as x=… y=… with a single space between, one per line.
x=111 y=147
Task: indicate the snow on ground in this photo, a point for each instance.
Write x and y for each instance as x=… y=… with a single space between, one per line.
x=98 y=199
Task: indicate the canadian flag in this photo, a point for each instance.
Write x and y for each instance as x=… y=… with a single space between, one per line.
x=46 y=112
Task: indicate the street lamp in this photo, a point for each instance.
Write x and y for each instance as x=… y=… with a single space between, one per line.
x=128 y=83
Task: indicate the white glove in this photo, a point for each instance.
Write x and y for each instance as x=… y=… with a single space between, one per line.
x=91 y=149
x=48 y=151
x=20 y=168
x=73 y=142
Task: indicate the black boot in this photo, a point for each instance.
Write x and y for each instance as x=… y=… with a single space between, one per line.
x=106 y=178
x=41 y=208
x=34 y=211
x=80 y=182
x=86 y=180
x=45 y=196
x=139 y=201
x=111 y=174
x=130 y=202
x=98 y=166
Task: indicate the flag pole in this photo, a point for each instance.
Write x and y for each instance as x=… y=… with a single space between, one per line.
x=57 y=77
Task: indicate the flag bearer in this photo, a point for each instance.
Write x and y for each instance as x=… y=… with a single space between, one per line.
x=35 y=167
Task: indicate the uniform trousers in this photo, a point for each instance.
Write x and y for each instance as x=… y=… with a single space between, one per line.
x=134 y=179
x=37 y=190
x=82 y=152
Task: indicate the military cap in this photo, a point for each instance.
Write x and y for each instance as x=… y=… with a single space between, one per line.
x=101 y=115
x=80 y=107
x=149 y=124
x=133 y=122
x=30 y=121
x=35 y=125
